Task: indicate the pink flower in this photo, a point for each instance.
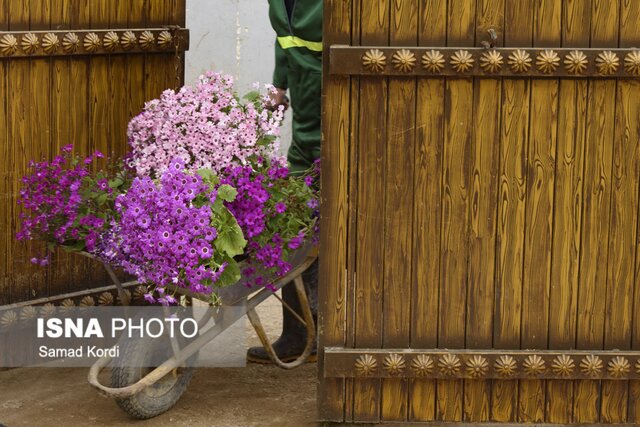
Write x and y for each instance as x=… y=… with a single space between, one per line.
x=205 y=126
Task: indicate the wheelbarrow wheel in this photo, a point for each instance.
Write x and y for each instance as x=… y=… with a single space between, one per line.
x=156 y=398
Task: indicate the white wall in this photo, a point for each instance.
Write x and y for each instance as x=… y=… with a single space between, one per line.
x=234 y=37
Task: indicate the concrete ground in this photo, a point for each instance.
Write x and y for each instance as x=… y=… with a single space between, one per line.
x=252 y=396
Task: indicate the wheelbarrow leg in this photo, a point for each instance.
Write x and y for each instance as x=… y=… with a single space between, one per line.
x=308 y=322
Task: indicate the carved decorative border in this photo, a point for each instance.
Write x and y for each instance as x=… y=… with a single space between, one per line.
x=20 y=313
x=482 y=62
x=20 y=44
x=481 y=364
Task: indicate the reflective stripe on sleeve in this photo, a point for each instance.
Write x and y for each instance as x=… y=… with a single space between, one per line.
x=293 y=41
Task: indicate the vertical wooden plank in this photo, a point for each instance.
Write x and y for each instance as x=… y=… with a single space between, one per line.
x=334 y=209
x=593 y=254
x=398 y=211
x=427 y=208
x=622 y=245
x=597 y=196
x=100 y=107
x=6 y=233
x=178 y=9
x=19 y=137
x=483 y=205
x=629 y=113
x=370 y=257
x=568 y=211
x=119 y=84
x=79 y=115
x=604 y=28
x=100 y=82
x=539 y=210
x=511 y=208
x=178 y=17
x=158 y=67
x=623 y=219
x=352 y=238
x=40 y=141
x=135 y=63
x=60 y=268
x=456 y=183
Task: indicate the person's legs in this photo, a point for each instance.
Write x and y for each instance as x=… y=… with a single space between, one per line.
x=304 y=89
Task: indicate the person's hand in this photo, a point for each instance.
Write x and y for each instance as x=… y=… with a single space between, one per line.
x=279 y=98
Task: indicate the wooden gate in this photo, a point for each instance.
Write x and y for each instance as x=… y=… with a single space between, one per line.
x=480 y=211
x=74 y=72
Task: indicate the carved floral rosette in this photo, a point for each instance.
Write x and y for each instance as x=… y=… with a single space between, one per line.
x=481 y=365
x=92 y=42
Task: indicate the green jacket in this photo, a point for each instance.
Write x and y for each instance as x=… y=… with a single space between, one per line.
x=299 y=42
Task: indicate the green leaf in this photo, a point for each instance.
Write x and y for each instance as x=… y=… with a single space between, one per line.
x=230 y=275
x=218 y=208
x=208 y=176
x=231 y=241
x=227 y=193
x=116 y=182
x=76 y=247
x=101 y=199
x=252 y=96
x=265 y=141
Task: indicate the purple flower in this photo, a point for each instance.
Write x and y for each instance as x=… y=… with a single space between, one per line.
x=103 y=184
x=205 y=251
x=164 y=234
x=249 y=271
x=135 y=210
x=143 y=221
x=280 y=207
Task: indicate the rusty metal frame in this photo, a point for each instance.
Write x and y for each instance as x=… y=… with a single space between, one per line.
x=467 y=62
x=114 y=41
x=481 y=364
x=222 y=323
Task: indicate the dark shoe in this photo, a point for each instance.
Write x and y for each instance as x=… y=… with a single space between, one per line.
x=287 y=351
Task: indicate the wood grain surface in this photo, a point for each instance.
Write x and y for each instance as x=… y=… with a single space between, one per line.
x=518 y=224
x=428 y=151
x=81 y=100
x=333 y=236
x=398 y=209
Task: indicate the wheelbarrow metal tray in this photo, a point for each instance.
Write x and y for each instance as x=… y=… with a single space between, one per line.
x=238 y=292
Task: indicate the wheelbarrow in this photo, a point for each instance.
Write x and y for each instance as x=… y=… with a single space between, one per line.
x=147 y=392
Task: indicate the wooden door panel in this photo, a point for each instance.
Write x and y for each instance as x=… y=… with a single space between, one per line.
x=82 y=96
x=486 y=210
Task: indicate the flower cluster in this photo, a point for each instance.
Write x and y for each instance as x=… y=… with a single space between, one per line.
x=166 y=234
x=207 y=126
x=210 y=191
x=277 y=213
x=65 y=205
